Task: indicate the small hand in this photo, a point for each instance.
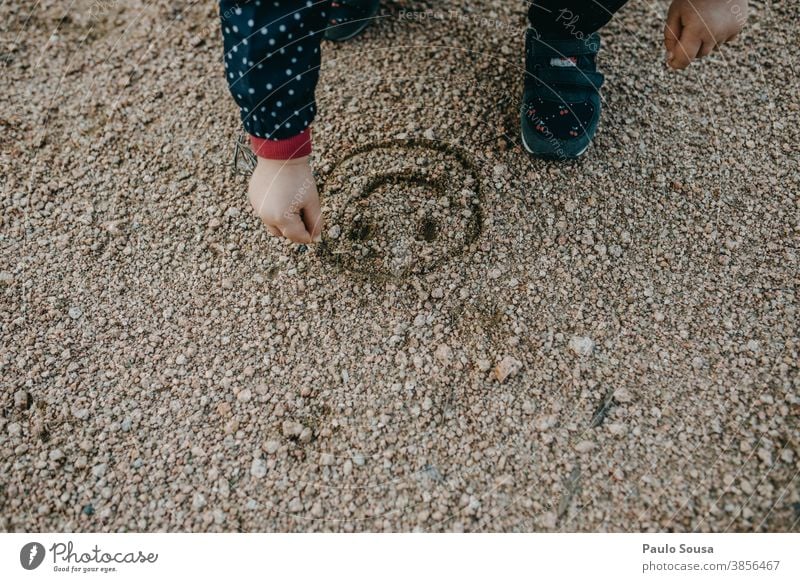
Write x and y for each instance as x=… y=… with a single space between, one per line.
x=694 y=28
x=284 y=195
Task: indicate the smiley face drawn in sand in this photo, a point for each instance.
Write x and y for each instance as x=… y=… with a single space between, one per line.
x=401 y=208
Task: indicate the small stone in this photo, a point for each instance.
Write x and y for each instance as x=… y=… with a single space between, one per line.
x=295 y=505
x=347 y=467
x=545 y=422
x=272 y=446
x=258 y=468
x=198 y=501
x=75 y=312
x=326 y=459
x=581 y=345
x=244 y=395
x=6 y=278
x=292 y=429
x=99 y=470
x=334 y=232
x=56 y=455
x=549 y=520
x=227 y=283
x=306 y=435
x=444 y=354
x=507 y=368
x=584 y=446
x=126 y=425
x=617 y=429
x=359 y=459
x=484 y=365
x=437 y=293
x=658 y=316
x=623 y=396
x=22 y=398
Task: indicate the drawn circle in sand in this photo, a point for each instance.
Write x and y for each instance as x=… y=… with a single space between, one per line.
x=401 y=208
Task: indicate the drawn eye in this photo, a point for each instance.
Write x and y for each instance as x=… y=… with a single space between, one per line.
x=401 y=208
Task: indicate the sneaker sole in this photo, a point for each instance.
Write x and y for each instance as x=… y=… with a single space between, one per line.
x=548 y=156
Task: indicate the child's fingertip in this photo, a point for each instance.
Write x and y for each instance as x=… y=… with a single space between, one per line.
x=669 y=56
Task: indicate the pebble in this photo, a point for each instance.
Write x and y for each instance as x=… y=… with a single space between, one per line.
x=623 y=395
x=326 y=459
x=6 y=278
x=617 y=428
x=507 y=368
x=198 y=501
x=258 y=468
x=444 y=354
x=334 y=232
x=484 y=365
x=581 y=345
x=75 y=312
x=21 y=399
x=56 y=455
x=584 y=446
x=292 y=429
x=244 y=395
x=271 y=447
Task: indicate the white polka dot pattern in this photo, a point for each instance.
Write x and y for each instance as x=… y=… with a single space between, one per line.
x=272 y=56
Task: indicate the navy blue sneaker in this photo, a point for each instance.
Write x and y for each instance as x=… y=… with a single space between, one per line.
x=561 y=102
x=347 y=18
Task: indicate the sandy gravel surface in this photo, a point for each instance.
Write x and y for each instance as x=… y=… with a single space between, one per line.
x=165 y=365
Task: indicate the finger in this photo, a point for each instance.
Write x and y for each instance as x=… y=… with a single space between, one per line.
x=732 y=38
x=294 y=229
x=312 y=217
x=686 y=50
x=672 y=31
x=706 y=48
x=273 y=231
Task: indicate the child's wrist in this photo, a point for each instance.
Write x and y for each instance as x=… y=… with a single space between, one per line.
x=298 y=146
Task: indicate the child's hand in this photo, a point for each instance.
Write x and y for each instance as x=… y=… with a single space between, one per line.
x=284 y=196
x=694 y=28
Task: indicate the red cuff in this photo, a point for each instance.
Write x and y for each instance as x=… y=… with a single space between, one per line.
x=283 y=149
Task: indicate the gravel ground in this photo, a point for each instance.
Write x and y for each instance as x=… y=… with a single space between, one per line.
x=484 y=342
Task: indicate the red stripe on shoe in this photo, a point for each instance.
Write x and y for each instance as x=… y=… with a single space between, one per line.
x=283 y=149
